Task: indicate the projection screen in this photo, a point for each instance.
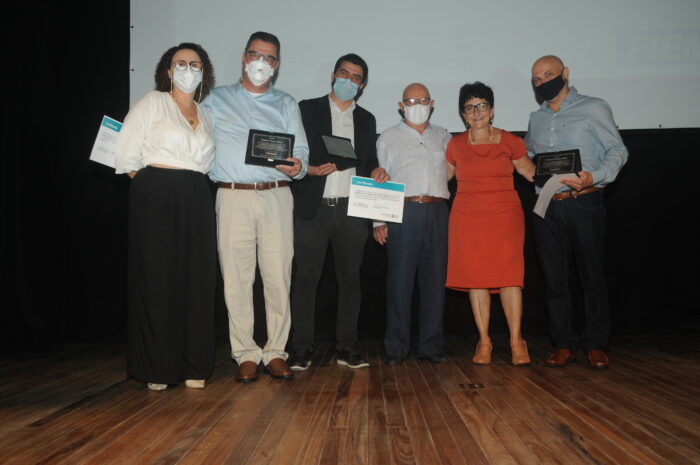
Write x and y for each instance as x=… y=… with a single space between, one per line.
x=642 y=56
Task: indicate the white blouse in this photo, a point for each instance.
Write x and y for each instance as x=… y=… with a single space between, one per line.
x=156 y=132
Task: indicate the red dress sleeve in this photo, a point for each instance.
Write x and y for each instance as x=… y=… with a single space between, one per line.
x=515 y=144
x=449 y=153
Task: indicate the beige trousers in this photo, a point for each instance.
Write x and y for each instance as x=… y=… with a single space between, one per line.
x=256 y=222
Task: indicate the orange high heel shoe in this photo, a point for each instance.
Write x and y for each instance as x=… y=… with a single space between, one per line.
x=483 y=354
x=519 y=354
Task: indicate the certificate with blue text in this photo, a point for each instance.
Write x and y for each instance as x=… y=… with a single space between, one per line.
x=103 y=151
x=369 y=199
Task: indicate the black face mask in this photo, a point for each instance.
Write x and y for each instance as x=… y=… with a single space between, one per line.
x=551 y=88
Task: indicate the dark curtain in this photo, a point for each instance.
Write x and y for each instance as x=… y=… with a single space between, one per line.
x=64 y=217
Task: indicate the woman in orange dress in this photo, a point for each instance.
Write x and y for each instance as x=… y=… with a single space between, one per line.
x=487 y=227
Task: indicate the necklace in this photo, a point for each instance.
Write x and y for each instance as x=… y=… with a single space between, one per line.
x=473 y=142
x=191 y=121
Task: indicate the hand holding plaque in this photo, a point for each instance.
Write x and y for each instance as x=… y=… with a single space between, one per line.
x=552 y=163
x=269 y=148
x=336 y=150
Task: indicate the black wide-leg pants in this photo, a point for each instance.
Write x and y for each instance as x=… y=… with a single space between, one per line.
x=172 y=276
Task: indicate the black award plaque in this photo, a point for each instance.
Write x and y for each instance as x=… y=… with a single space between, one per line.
x=269 y=148
x=551 y=163
x=339 y=150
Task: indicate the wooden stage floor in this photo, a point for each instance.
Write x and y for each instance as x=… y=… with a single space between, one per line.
x=77 y=408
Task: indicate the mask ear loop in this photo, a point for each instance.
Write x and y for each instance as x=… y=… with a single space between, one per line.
x=201 y=84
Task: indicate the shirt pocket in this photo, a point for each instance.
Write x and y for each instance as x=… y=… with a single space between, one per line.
x=575 y=134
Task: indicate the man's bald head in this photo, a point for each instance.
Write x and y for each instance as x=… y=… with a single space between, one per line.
x=416 y=97
x=552 y=60
x=415 y=90
x=548 y=67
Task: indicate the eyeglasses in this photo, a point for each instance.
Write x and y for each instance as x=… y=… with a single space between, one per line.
x=195 y=66
x=480 y=107
x=255 y=56
x=415 y=101
x=345 y=74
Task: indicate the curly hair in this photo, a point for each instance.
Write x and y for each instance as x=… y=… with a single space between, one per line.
x=163 y=82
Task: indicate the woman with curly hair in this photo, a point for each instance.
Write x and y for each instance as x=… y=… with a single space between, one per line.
x=166 y=147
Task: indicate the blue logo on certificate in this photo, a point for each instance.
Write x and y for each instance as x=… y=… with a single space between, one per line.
x=376 y=201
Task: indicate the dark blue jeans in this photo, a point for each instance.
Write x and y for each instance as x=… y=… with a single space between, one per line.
x=574 y=229
x=416 y=246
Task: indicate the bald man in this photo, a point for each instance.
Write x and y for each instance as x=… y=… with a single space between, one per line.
x=413 y=153
x=573 y=227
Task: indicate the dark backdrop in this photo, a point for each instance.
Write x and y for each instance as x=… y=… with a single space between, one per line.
x=64 y=217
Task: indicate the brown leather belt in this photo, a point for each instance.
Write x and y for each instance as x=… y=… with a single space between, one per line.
x=256 y=186
x=424 y=199
x=574 y=194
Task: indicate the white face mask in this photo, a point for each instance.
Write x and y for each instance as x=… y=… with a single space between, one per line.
x=417 y=114
x=259 y=71
x=187 y=80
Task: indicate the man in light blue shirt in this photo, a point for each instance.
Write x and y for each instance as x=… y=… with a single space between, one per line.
x=575 y=220
x=254 y=206
x=413 y=153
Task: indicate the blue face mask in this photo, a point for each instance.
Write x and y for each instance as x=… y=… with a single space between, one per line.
x=345 y=89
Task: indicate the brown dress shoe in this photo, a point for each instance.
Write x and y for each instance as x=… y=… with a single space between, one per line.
x=598 y=360
x=278 y=369
x=560 y=358
x=519 y=355
x=483 y=354
x=247 y=372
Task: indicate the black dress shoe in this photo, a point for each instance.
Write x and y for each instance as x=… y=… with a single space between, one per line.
x=393 y=362
x=434 y=358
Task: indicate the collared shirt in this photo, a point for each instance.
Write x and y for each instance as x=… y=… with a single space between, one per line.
x=415 y=159
x=584 y=123
x=236 y=111
x=156 y=132
x=343 y=125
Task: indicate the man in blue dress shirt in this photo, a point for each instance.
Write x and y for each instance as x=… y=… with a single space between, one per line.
x=575 y=220
x=254 y=206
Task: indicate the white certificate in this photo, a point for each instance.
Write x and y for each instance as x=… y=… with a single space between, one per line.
x=369 y=199
x=550 y=188
x=106 y=142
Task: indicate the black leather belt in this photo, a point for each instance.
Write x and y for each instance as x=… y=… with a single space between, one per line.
x=333 y=201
